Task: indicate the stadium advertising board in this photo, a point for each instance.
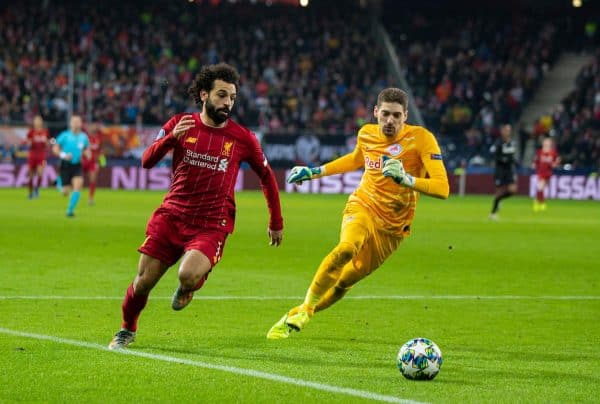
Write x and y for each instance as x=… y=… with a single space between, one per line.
x=289 y=150
x=334 y=184
x=569 y=187
x=117 y=177
x=159 y=178
x=12 y=136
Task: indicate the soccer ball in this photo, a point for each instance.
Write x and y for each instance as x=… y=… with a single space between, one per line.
x=419 y=359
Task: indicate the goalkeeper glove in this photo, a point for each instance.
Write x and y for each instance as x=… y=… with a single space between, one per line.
x=393 y=168
x=302 y=173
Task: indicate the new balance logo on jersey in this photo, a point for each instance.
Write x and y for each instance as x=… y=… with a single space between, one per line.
x=223 y=164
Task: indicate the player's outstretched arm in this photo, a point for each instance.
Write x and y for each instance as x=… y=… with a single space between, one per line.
x=271 y=193
x=157 y=150
x=167 y=138
x=298 y=174
x=348 y=162
x=259 y=164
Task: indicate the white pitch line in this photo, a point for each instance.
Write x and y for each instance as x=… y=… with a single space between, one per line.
x=358 y=297
x=224 y=368
x=473 y=297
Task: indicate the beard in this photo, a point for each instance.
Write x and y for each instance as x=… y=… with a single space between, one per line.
x=219 y=115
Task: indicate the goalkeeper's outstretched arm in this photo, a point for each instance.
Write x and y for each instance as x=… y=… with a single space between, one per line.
x=348 y=162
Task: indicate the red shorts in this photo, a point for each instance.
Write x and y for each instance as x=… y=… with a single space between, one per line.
x=168 y=238
x=36 y=161
x=544 y=175
x=89 y=166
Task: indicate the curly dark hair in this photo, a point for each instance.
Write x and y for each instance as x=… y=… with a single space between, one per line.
x=205 y=79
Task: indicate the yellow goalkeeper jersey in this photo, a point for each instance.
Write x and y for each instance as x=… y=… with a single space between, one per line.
x=394 y=205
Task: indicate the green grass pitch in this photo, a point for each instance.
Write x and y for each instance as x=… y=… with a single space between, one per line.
x=513 y=305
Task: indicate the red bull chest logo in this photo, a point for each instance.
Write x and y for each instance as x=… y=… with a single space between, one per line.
x=372 y=164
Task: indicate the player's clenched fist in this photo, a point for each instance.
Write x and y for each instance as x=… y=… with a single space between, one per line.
x=303 y=173
x=185 y=123
x=394 y=169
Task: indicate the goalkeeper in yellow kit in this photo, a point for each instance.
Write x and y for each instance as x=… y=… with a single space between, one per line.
x=400 y=161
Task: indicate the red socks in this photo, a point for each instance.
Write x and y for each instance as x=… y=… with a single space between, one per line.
x=92 y=190
x=540 y=196
x=132 y=307
x=134 y=304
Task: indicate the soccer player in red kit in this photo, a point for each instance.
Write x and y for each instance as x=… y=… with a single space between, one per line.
x=546 y=159
x=37 y=139
x=91 y=166
x=198 y=211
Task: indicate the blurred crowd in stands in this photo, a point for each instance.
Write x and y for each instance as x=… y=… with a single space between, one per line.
x=472 y=72
x=315 y=69
x=575 y=122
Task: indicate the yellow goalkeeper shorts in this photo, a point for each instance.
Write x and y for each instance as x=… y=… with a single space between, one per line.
x=361 y=228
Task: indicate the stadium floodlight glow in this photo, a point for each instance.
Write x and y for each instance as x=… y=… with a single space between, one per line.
x=577 y=3
x=303 y=3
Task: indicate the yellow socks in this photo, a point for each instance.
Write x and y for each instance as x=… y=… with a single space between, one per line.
x=330 y=297
x=329 y=272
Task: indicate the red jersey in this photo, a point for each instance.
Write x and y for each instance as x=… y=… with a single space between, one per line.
x=545 y=161
x=206 y=162
x=95 y=145
x=38 y=141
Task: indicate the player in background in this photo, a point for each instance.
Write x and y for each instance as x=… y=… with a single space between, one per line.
x=70 y=146
x=505 y=175
x=92 y=165
x=38 y=140
x=400 y=162
x=546 y=159
x=198 y=212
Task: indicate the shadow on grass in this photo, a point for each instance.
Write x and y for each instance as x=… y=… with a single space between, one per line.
x=321 y=354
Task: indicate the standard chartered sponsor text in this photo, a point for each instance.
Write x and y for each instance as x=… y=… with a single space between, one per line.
x=200 y=159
